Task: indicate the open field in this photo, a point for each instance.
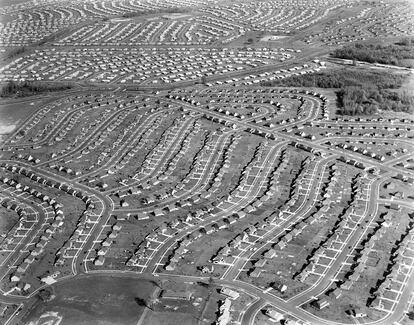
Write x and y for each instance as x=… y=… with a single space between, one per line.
x=13 y=114
x=99 y=300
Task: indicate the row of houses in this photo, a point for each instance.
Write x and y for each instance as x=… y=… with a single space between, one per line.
x=395 y=267
x=362 y=256
x=138 y=138
x=83 y=223
x=269 y=76
x=172 y=228
x=104 y=246
x=150 y=32
x=339 y=229
x=402 y=122
x=360 y=150
x=294 y=230
x=54 y=220
x=382 y=19
x=131 y=66
x=236 y=100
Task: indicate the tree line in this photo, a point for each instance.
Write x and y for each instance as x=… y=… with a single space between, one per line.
x=359 y=91
x=398 y=53
x=27 y=88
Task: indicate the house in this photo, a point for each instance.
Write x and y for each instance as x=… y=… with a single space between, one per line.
x=103 y=251
x=335 y=293
x=175 y=223
x=281 y=244
x=230 y=293
x=183 y=204
x=171 y=208
x=288 y=237
x=221 y=224
x=71 y=191
x=275 y=315
x=113 y=234
x=209 y=229
x=37 y=251
x=226 y=250
x=280 y=287
x=149 y=200
x=99 y=261
x=116 y=227
x=22 y=267
x=158 y=212
x=270 y=253
x=107 y=242
x=321 y=303
x=229 y=220
x=260 y=263
x=41 y=243
x=240 y=214
x=226 y=260
x=215 y=226
x=207 y=269
x=142 y=216
x=251 y=230
x=170 y=266
x=395 y=206
x=346 y=285
x=356 y=313
x=250 y=209
x=271 y=219
x=185 y=242
x=255 y=273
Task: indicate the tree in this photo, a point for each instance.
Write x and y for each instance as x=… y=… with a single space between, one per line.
x=142 y=302
x=45 y=295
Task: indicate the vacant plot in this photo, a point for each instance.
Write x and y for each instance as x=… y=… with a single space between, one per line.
x=169 y=318
x=12 y=114
x=95 y=300
x=8 y=219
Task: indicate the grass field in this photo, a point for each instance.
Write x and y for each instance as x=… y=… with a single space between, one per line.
x=169 y=318
x=94 y=300
x=12 y=114
x=8 y=219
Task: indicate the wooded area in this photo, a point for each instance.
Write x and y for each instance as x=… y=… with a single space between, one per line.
x=27 y=88
x=360 y=91
x=394 y=54
x=367 y=101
